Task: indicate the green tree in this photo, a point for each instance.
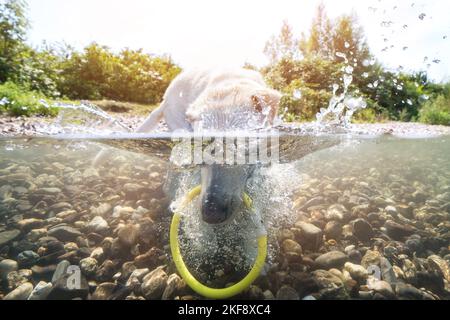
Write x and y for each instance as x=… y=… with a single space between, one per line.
x=13 y=27
x=282 y=46
x=319 y=42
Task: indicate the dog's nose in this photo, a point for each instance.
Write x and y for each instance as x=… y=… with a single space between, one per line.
x=214 y=209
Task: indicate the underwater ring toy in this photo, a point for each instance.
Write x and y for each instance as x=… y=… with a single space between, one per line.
x=200 y=288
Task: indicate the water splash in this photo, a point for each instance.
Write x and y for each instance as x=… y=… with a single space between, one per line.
x=342 y=107
x=84 y=118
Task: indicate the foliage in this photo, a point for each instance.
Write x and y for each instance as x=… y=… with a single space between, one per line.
x=437 y=111
x=131 y=75
x=13 y=28
x=19 y=101
x=283 y=46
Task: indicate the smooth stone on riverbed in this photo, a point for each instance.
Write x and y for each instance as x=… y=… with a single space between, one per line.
x=64 y=233
x=362 y=229
x=104 y=291
x=382 y=287
x=309 y=236
x=7 y=266
x=41 y=291
x=437 y=263
x=27 y=258
x=287 y=293
x=332 y=259
x=357 y=272
x=128 y=235
x=398 y=231
x=61 y=269
x=154 y=284
x=174 y=284
x=88 y=266
x=20 y=293
x=98 y=225
x=8 y=236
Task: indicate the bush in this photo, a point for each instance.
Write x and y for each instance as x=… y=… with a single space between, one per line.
x=20 y=101
x=436 y=111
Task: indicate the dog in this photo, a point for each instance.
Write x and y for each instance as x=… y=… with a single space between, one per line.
x=219 y=100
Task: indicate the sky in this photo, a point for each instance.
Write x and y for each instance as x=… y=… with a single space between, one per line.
x=232 y=32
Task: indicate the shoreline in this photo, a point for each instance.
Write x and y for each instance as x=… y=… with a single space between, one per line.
x=32 y=126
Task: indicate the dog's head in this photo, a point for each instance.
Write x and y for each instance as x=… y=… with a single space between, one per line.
x=222 y=191
x=241 y=106
x=238 y=106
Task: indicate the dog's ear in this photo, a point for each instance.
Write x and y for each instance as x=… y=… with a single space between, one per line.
x=267 y=98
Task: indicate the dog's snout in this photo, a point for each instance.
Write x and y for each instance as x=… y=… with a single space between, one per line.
x=215 y=209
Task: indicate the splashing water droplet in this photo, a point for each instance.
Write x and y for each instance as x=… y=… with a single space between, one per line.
x=365 y=75
x=347 y=45
x=348 y=69
x=409 y=102
x=297 y=94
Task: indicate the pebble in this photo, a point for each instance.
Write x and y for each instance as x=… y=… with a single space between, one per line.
x=442 y=266
x=154 y=284
x=371 y=258
x=26 y=225
x=104 y=291
x=88 y=266
x=98 y=225
x=20 y=293
x=41 y=291
x=7 y=266
x=289 y=245
x=174 y=284
x=128 y=235
x=8 y=236
x=398 y=231
x=17 y=278
x=309 y=235
x=64 y=233
x=336 y=212
x=287 y=293
x=357 y=272
x=27 y=258
x=362 y=230
x=408 y=292
x=333 y=230
x=61 y=269
x=332 y=259
x=101 y=210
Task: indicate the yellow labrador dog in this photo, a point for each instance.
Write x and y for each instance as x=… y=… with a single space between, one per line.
x=218 y=100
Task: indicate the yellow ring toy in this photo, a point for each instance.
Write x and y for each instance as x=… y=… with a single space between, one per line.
x=190 y=280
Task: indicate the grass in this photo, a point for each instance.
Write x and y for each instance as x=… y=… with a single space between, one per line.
x=17 y=101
